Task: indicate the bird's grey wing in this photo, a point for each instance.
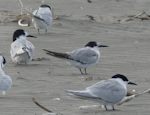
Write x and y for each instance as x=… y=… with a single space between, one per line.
x=45 y=16
x=17 y=45
x=84 y=55
x=109 y=90
x=83 y=93
x=30 y=48
x=5 y=83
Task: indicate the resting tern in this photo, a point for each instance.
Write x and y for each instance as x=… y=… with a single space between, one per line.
x=21 y=49
x=42 y=18
x=107 y=92
x=5 y=80
x=82 y=57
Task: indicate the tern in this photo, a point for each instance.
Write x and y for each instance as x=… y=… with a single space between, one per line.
x=21 y=49
x=82 y=57
x=107 y=92
x=42 y=17
x=5 y=80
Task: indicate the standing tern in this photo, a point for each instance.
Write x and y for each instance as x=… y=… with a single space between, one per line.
x=42 y=18
x=107 y=92
x=5 y=80
x=82 y=57
x=21 y=49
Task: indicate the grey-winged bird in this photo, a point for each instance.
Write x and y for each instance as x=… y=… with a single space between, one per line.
x=21 y=49
x=82 y=57
x=107 y=92
x=5 y=80
x=42 y=17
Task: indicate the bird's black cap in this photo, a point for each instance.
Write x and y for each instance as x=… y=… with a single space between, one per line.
x=17 y=33
x=44 y=5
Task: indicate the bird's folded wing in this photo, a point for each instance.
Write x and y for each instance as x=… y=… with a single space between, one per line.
x=43 y=17
x=36 y=16
x=17 y=47
x=84 y=56
x=84 y=93
x=108 y=90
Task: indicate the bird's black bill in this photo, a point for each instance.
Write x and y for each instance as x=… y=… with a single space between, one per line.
x=103 y=46
x=132 y=83
x=31 y=36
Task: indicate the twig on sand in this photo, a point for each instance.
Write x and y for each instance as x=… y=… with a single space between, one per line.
x=57 y=17
x=142 y=16
x=41 y=59
x=49 y=111
x=56 y=23
x=90 y=17
x=16 y=17
x=34 y=100
x=129 y=98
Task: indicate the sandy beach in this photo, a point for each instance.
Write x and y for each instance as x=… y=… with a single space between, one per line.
x=128 y=54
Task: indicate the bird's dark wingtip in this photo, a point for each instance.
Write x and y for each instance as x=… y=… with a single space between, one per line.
x=48 y=53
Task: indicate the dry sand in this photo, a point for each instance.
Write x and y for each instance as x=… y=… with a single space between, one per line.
x=128 y=53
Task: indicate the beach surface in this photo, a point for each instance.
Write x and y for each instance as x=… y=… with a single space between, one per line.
x=128 y=54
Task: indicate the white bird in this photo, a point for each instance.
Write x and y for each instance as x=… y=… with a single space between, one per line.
x=5 y=80
x=82 y=57
x=107 y=92
x=21 y=49
x=42 y=18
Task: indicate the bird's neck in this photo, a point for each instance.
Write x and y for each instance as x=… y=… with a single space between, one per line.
x=124 y=84
x=92 y=48
x=21 y=37
x=95 y=49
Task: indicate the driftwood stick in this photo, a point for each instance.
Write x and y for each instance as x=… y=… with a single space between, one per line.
x=139 y=14
x=34 y=100
x=129 y=98
x=142 y=16
x=18 y=17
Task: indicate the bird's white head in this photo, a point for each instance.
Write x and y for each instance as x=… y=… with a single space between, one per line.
x=21 y=34
x=93 y=44
x=2 y=61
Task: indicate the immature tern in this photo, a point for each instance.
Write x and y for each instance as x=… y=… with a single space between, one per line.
x=107 y=92
x=82 y=57
x=42 y=18
x=21 y=49
x=5 y=80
